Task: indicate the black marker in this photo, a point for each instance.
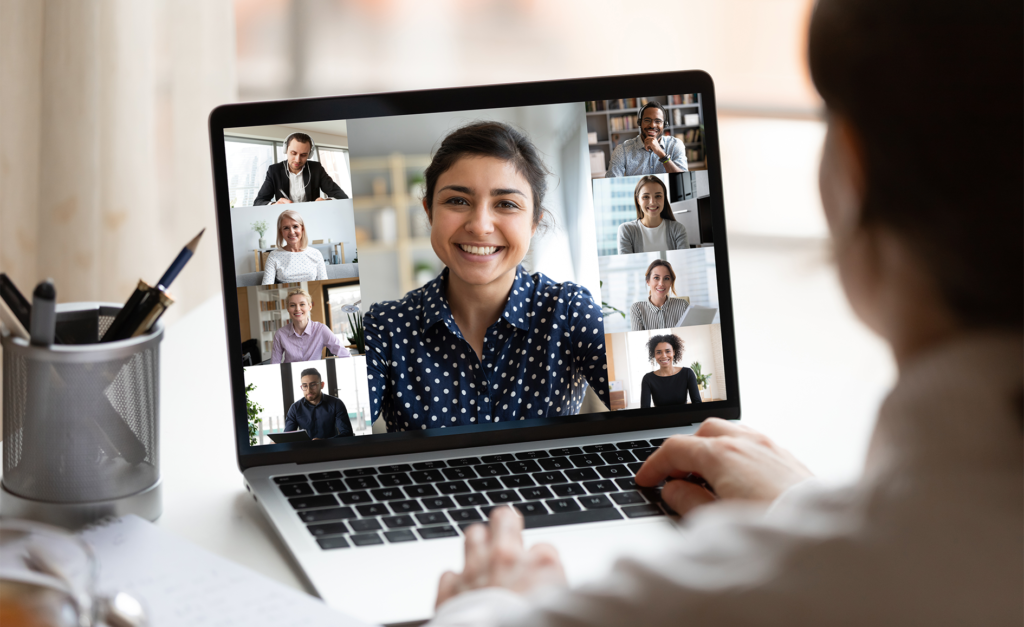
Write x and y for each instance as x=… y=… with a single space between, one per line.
x=44 y=314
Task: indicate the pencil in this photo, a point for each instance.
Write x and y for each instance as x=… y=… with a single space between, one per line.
x=179 y=262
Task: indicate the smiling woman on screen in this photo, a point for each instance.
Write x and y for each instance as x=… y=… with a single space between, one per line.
x=668 y=384
x=293 y=260
x=485 y=341
x=659 y=310
x=302 y=339
x=655 y=227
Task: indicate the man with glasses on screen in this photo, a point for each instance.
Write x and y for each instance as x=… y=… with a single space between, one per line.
x=296 y=179
x=321 y=415
x=650 y=152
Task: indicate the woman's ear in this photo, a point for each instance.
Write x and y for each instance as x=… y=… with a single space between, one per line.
x=426 y=210
x=842 y=177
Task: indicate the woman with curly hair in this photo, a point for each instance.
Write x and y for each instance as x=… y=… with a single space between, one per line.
x=668 y=384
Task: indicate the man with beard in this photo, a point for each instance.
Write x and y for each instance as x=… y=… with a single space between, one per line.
x=650 y=152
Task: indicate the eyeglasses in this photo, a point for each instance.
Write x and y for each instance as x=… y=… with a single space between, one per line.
x=653 y=121
x=306 y=386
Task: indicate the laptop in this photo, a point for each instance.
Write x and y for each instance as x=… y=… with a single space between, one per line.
x=360 y=239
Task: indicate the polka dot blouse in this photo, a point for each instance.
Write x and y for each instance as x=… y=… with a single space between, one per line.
x=537 y=358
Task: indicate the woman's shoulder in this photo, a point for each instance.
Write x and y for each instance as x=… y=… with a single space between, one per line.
x=546 y=288
x=388 y=310
x=630 y=226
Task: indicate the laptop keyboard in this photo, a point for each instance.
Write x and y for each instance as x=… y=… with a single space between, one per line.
x=438 y=499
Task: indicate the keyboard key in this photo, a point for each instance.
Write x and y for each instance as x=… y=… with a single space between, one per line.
x=531 y=455
x=337 y=542
x=595 y=501
x=366 y=539
x=643 y=453
x=581 y=474
x=598 y=448
x=668 y=510
x=627 y=498
x=503 y=496
x=354 y=498
x=565 y=452
x=491 y=470
x=290 y=479
x=396 y=522
x=362 y=483
x=535 y=508
x=633 y=444
x=394 y=468
x=547 y=478
x=464 y=461
x=453 y=487
x=618 y=457
x=441 y=502
x=420 y=491
x=568 y=489
x=517 y=481
x=555 y=463
x=387 y=494
x=467 y=500
x=458 y=473
x=590 y=459
x=523 y=466
x=369 y=524
x=634 y=467
x=395 y=479
x=334 y=513
x=656 y=442
x=373 y=509
x=360 y=472
x=432 y=518
x=651 y=494
x=296 y=489
x=535 y=494
x=400 y=535
x=571 y=518
x=627 y=483
x=561 y=506
x=642 y=511
x=406 y=507
x=320 y=476
x=331 y=485
x=601 y=486
x=430 y=533
x=465 y=515
x=329 y=529
x=501 y=457
x=308 y=502
x=487 y=509
x=426 y=476
x=429 y=465
x=614 y=472
x=485 y=484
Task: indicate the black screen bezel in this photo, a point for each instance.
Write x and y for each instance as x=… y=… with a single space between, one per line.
x=467 y=99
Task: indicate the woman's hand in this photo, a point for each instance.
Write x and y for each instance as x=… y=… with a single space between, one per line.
x=738 y=463
x=495 y=557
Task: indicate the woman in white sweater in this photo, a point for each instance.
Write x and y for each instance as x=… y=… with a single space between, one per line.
x=293 y=260
x=931 y=533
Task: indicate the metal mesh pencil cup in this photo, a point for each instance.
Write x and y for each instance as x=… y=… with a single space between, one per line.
x=81 y=422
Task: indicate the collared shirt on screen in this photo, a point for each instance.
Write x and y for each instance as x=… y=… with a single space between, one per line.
x=537 y=358
x=297 y=185
x=328 y=419
x=630 y=158
x=644 y=316
x=290 y=346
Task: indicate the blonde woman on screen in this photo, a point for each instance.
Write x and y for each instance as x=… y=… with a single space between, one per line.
x=302 y=339
x=294 y=260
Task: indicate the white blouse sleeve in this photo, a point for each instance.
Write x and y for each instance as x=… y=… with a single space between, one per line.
x=321 y=267
x=270 y=270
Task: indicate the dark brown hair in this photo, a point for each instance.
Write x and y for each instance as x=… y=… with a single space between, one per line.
x=661 y=262
x=672 y=340
x=666 y=208
x=491 y=139
x=933 y=90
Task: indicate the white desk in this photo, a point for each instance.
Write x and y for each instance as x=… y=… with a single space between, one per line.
x=811 y=378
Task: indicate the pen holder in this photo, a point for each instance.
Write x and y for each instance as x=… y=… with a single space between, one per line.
x=81 y=422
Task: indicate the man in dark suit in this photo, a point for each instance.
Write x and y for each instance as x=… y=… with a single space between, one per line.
x=321 y=415
x=296 y=179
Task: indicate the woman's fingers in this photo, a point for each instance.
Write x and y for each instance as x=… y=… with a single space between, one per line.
x=476 y=566
x=713 y=427
x=678 y=456
x=506 y=547
x=682 y=496
x=447 y=587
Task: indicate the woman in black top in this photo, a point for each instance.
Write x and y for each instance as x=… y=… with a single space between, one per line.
x=669 y=384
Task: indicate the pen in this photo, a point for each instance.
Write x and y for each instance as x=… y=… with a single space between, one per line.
x=179 y=262
x=44 y=314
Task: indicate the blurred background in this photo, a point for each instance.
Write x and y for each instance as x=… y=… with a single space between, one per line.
x=104 y=165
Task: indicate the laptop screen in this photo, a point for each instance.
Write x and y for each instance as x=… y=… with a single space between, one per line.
x=403 y=276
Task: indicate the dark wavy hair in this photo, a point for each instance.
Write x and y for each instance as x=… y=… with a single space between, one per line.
x=491 y=139
x=666 y=209
x=672 y=340
x=912 y=55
